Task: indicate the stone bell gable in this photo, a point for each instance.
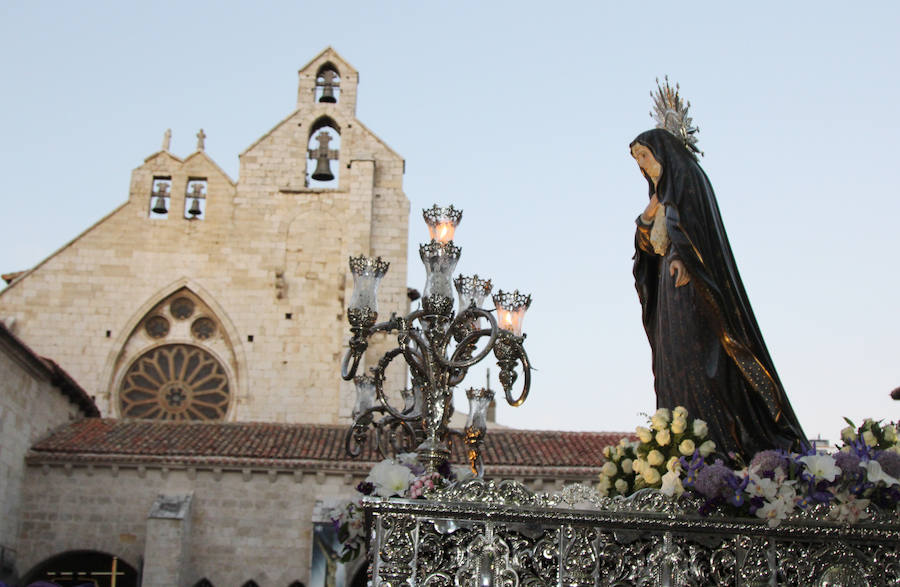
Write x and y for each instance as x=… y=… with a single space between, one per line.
x=206 y=298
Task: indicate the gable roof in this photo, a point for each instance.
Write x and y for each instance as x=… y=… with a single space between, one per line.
x=209 y=160
x=302 y=446
x=329 y=54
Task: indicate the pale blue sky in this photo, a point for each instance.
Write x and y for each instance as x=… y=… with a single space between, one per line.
x=520 y=113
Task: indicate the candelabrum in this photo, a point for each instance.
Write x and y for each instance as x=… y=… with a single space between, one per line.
x=438 y=346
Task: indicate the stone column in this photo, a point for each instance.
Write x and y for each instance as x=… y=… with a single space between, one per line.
x=166 y=552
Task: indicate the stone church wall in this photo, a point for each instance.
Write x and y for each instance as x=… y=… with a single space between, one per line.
x=242 y=524
x=30 y=407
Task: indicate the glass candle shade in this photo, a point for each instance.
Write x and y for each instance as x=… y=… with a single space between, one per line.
x=442 y=222
x=479 y=401
x=471 y=290
x=511 y=307
x=366 y=395
x=367 y=274
x=412 y=400
x=440 y=260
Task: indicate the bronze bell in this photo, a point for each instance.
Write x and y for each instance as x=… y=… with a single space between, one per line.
x=323 y=169
x=160 y=206
x=327 y=95
x=195 y=208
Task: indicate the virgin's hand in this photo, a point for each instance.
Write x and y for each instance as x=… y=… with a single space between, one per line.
x=650 y=211
x=679 y=272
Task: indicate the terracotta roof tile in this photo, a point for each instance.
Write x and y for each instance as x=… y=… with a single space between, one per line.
x=514 y=452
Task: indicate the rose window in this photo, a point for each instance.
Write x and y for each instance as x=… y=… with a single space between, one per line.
x=175 y=382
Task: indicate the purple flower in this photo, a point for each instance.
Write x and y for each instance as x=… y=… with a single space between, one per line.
x=365 y=487
x=713 y=481
x=766 y=462
x=848 y=463
x=738 y=485
x=690 y=468
x=890 y=463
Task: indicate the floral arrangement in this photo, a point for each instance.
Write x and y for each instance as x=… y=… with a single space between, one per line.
x=400 y=477
x=673 y=456
x=655 y=460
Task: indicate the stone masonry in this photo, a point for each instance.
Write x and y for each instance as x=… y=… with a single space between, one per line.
x=267 y=261
x=31 y=405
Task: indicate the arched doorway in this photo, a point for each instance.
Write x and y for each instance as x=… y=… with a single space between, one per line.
x=83 y=567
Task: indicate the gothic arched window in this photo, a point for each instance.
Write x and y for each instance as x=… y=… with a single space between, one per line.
x=324 y=146
x=177 y=364
x=328 y=84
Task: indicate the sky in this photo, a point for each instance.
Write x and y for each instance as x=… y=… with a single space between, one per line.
x=519 y=113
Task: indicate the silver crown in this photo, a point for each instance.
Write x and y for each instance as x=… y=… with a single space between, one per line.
x=671 y=113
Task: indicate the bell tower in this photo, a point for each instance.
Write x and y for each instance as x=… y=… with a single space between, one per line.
x=329 y=188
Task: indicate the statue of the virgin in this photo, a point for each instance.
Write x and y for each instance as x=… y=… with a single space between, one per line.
x=708 y=353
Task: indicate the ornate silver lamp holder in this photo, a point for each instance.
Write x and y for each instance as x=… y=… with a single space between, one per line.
x=438 y=346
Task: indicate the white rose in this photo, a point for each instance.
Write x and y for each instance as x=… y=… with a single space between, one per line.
x=680 y=412
x=621 y=486
x=626 y=465
x=638 y=466
x=890 y=434
x=663 y=437
x=644 y=434
x=679 y=425
x=700 y=428
x=674 y=465
x=686 y=447
x=609 y=469
x=659 y=423
x=663 y=413
x=603 y=486
x=651 y=476
x=869 y=438
x=655 y=458
x=848 y=434
x=707 y=448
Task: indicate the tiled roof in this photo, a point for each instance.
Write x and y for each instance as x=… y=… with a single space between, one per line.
x=303 y=446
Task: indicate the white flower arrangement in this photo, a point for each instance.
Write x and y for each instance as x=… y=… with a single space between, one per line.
x=673 y=455
x=654 y=460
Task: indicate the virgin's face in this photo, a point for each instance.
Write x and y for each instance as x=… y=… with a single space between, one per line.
x=646 y=161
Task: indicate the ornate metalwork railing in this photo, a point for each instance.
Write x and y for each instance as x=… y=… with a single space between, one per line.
x=483 y=534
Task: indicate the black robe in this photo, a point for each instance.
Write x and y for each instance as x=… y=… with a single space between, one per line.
x=708 y=353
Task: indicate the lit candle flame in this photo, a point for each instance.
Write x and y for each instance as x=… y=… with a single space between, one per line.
x=506 y=320
x=444 y=232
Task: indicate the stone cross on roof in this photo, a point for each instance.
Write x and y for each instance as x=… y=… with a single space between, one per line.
x=201 y=140
x=167 y=139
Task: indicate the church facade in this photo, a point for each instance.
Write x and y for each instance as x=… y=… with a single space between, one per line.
x=196 y=434
x=248 y=278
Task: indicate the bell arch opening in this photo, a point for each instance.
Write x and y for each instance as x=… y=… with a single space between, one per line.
x=328 y=84
x=323 y=153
